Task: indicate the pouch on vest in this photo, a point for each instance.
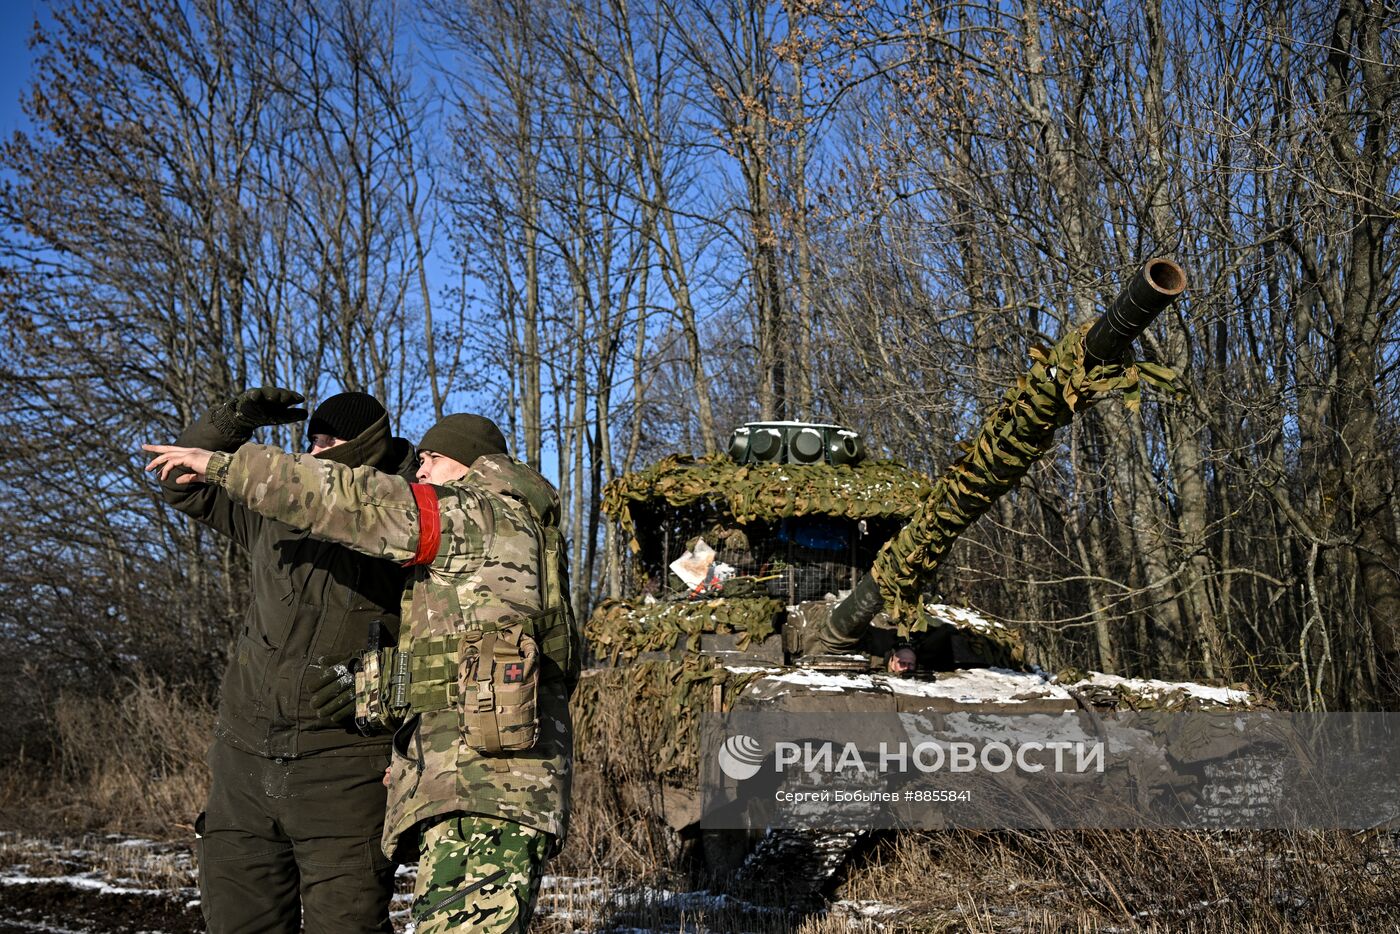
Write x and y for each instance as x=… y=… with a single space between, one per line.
x=498 y=678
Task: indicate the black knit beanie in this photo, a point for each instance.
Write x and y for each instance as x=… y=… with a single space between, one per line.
x=464 y=438
x=345 y=415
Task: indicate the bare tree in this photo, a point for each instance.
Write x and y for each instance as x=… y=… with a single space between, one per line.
x=197 y=208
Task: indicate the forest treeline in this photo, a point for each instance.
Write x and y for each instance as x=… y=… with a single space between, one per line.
x=623 y=227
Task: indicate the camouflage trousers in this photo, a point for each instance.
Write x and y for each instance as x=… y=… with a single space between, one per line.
x=477 y=875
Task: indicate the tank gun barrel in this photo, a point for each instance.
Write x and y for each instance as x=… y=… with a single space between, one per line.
x=1155 y=286
x=1085 y=363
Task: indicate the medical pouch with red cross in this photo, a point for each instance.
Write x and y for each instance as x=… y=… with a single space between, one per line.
x=498 y=677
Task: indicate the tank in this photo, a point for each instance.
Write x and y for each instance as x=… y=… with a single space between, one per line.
x=789 y=573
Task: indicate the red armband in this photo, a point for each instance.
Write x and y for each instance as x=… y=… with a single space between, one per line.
x=429 y=524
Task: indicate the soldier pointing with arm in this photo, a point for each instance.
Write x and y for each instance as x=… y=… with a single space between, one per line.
x=295 y=807
x=480 y=772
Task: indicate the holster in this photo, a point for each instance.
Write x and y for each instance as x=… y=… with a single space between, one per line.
x=381 y=690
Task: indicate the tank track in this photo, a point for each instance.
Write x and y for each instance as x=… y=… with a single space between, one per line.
x=797 y=865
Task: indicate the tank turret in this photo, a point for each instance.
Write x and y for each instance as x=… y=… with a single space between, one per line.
x=721 y=547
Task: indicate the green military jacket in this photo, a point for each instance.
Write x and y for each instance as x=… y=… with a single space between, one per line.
x=484 y=571
x=310 y=598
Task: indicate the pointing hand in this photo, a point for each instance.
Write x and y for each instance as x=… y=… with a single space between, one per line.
x=170 y=457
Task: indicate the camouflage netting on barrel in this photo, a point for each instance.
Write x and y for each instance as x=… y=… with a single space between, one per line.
x=623 y=629
x=1060 y=382
x=642 y=723
x=766 y=492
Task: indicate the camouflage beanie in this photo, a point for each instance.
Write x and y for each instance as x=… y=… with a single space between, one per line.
x=464 y=438
x=345 y=415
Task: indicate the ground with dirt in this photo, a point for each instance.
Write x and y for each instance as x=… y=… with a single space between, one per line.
x=113 y=884
x=61 y=907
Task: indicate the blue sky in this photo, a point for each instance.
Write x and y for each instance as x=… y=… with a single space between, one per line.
x=16 y=23
x=16 y=18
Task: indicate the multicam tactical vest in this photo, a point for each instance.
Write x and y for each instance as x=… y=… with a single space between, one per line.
x=483 y=625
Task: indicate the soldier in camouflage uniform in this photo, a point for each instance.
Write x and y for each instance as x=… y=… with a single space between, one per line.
x=480 y=770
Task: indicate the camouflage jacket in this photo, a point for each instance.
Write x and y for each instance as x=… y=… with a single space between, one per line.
x=485 y=570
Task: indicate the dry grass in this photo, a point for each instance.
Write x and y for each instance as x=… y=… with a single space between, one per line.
x=1135 y=880
x=972 y=882
x=620 y=795
x=134 y=763
x=111 y=858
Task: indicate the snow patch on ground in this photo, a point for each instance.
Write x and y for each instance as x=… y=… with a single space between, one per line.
x=864 y=910
x=87 y=880
x=667 y=899
x=570 y=883
x=45 y=927
x=607 y=909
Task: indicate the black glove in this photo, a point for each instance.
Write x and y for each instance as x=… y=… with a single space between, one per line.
x=332 y=686
x=254 y=408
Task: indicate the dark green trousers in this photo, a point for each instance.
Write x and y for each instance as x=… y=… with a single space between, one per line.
x=287 y=841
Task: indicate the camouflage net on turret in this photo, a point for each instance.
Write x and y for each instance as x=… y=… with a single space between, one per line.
x=621 y=629
x=766 y=492
x=1017 y=434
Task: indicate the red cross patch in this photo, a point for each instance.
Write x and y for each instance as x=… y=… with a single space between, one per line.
x=515 y=673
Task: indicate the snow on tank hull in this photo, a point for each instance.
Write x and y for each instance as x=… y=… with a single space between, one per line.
x=984 y=690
